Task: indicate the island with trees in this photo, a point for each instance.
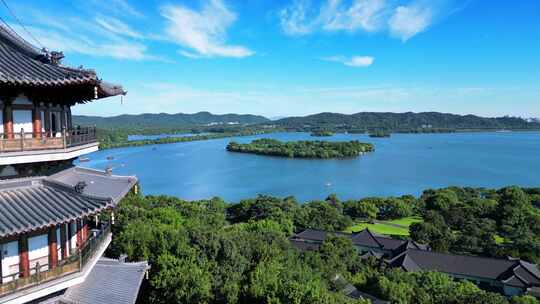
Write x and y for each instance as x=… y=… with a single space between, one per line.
x=322 y=133
x=302 y=149
x=211 y=251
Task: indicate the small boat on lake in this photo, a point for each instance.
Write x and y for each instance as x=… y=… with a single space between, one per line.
x=84 y=159
x=328 y=184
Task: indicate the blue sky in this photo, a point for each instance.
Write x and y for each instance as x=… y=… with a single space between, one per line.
x=297 y=57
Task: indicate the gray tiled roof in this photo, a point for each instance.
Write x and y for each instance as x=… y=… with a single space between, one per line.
x=456 y=264
x=513 y=272
x=371 y=253
x=364 y=238
x=315 y=235
x=522 y=274
x=34 y=203
x=23 y=65
x=305 y=246
x=410 y=245
x=532 y=268
x=98 y=183
x=405 y=262
x=110 y=281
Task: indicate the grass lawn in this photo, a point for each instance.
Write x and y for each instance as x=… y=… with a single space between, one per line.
x=379 y=228
x=383 y=228
x=407 y=221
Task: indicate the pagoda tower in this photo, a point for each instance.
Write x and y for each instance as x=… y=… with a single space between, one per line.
x=55 y=218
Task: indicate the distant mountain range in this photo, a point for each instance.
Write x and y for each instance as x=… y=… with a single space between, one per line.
x=358 y=121
x=409 y=120
x=163 y=120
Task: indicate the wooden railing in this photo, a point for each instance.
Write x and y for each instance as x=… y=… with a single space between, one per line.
x=73 y=264
x=19 y=142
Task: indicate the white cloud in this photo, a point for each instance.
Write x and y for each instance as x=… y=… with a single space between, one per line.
x=294 y=20
x=302 y=17
x=102 y=46
x=360 y=15
x=49 y=21
x=408 y=21
x=354 y=61
x=124 y=6
x=118 y=7
x=118 y=27
x=203 y=32
x=124 y=51
x=401 y=20
x=86 y=32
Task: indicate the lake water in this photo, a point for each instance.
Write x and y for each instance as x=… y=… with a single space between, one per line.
x=402 y=164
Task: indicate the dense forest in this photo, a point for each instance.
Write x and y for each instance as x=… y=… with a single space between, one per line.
x=427 y=122
x=302 y=149
x=486 y=222
x=482 y=222
x=210 y=251
x=404 y=122
x=119 y=138
x=167 y=121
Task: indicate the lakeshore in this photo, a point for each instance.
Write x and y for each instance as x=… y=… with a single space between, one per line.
x=402 y=164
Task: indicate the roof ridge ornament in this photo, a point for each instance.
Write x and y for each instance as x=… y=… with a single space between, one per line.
x=56 y=57
x=79 y=187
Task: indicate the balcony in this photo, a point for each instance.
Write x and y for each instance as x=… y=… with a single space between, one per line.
x=71 y=271
x=16 y=148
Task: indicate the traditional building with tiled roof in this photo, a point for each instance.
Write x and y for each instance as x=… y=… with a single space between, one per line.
x=122 y=281
x=508 y=276
x=364 y=241
x=55 y=219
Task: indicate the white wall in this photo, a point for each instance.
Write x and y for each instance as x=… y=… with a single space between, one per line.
x=59 y=243
x=42 y=121
x=22 y=119
x=67 y=239
x=73 y=239
x=10 y=259
x=38 y=252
